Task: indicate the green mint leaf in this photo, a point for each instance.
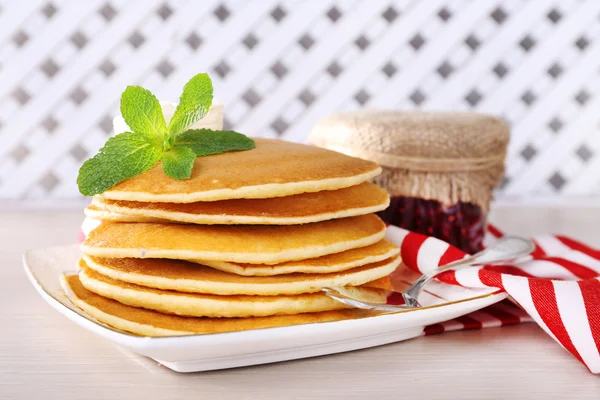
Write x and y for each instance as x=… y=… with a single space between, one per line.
x=142 y=112
x=178 y=162
x=205 y=142
x=194 y=103
x=122 y=157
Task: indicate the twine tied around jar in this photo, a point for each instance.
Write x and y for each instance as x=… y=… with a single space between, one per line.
x=424 y=164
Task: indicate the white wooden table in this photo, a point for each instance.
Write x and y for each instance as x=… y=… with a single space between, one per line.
x=45 y=356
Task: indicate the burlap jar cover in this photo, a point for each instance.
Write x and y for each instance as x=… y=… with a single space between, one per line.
x=444 y=158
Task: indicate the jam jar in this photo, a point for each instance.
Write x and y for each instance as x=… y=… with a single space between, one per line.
x=439 y=168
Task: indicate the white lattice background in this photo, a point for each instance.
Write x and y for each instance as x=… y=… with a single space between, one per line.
x=278 y=66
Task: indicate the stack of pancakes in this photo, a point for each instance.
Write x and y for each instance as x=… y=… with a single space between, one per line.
x=248 y=241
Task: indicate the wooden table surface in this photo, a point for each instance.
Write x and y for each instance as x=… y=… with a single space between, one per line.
x=45 y=356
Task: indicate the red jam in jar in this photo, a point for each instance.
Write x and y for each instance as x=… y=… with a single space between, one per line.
x=462 y=224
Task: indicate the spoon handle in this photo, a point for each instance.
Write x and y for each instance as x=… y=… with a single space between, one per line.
x=506 y=249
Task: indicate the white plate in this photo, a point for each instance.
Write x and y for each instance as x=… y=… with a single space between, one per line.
x=236 y=349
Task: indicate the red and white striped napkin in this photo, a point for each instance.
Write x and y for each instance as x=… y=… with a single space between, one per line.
x=558 y=287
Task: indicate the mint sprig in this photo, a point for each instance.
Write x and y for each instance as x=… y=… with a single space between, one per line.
x=178 y=162
x=122 y=157
x=129 y=154
x=194 y=103
x=142 y=112
x=206 y=142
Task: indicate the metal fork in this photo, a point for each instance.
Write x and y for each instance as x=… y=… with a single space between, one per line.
x=505 y=250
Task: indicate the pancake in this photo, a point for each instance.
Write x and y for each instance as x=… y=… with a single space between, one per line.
x=273 y=169
x=184 y=276
x=302 y=208
x=97 y=212
x=381 y=283
x=254 y=244
x=151 y=323
x=330 y=263
x=204 y=305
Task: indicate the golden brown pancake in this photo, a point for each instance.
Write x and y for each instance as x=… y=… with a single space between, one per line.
x=151 y=323
x=98 y=213
x=204 y=305
x=327 y=264
x=255 y=244
x=381 y=283
x=361 y=199
x=184 y=276
x=273 y=169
